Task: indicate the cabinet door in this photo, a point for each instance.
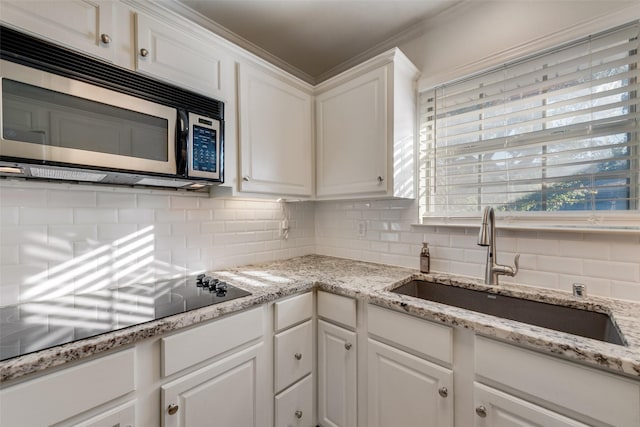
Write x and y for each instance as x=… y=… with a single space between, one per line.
x=275 y=135
x=79 y=24
x=351 y=137
x=405 y=390
x=337 y=387
x=497 y=409
x=226 y=393
x=173 y=55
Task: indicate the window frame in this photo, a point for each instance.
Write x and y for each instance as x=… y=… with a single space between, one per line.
x=571 y=220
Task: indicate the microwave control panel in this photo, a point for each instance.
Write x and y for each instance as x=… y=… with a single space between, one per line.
x=204 y=147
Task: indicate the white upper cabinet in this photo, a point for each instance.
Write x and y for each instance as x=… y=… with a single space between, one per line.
x=87 y=26
x=170 y=54
x=275 y=140
x=365 y=130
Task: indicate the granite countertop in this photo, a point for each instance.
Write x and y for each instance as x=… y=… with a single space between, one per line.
x=371 y=283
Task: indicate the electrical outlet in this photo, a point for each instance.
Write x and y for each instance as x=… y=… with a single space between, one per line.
x=284 y=229
x=362 y=228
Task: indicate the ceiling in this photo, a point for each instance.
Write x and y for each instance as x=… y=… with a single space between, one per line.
x=314 y=39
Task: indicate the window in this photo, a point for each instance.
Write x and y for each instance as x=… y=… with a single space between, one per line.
x=557 y=131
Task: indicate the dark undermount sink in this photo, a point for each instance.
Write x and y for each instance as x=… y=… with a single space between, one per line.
x=585 y=323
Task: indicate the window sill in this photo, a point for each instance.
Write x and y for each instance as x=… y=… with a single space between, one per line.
x=614 y=224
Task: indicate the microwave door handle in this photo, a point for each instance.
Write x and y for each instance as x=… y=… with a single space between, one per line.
x=182 y=140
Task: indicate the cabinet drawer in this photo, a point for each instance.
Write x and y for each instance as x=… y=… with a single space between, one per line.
x=435 y=341
x=294 y=354
x=293 y=310
x=121 y=416
x=187 y=348
x=589 y=392
x=88 y=385
x=503 y=409
x=337 y=308
x=294 y=406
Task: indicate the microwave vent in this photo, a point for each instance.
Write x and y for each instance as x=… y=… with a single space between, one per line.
x=69 y=175
x=163 y=183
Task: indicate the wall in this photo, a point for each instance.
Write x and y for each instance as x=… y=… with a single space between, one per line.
x=608 y=265
x=58 y=239
x=479 y=34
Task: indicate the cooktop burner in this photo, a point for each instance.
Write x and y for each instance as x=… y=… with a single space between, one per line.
x=34 y=326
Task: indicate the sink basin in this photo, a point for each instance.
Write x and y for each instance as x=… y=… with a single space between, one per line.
x=575 y=321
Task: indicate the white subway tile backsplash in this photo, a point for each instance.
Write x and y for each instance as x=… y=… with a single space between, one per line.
x=224 y=215
x=170 y=216
x=9 y=215
x=35 y=215
x=626 y=272
x=622 y=252
x=198 y=241
x=153 y=201
x=111 y=232
x=95 y=215
x=136 y=216
x=116 y=200
x=74 y=235
x=184 y=202
x=212 y=227
x=561 y=265
x=185 y=228
x=205 y=203
x=66 y=198
x=22 y=197
x=9 y=255
x=389 y=237
x=537 y=278
x=625 y=290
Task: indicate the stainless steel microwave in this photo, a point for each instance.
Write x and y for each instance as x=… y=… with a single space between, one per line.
x=65 y=116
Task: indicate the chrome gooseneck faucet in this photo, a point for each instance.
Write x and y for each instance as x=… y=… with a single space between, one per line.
x=487 y=237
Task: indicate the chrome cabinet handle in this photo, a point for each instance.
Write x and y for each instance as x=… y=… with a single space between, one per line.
x=481 y=411
x=442 y=391
x=298 y=356
x=172 y=409
x=105 y=38
x=298 y=414
x=144 y=52
x=380 y=179
x=245 y=178
x=348 y=346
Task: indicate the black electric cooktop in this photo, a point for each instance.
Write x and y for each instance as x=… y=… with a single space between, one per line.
x=34 y=326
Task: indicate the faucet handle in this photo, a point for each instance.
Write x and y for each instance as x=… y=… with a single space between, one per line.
x=516 y=261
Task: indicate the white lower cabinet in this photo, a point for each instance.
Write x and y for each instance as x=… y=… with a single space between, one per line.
x=405 y=390
x=294 y=406
x=594 y=397
x=494 y=408
x=223 y=394
x=337 y=385
x=61 y=395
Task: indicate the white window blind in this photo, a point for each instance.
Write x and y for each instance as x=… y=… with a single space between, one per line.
x=553 y=132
